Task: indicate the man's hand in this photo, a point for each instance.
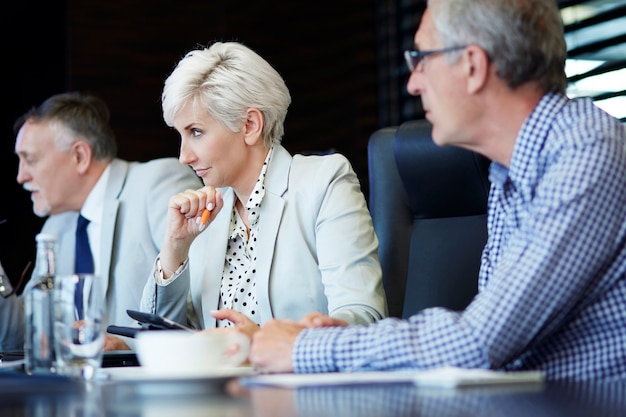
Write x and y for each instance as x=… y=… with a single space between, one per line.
x=272 y=346
x=114 y=343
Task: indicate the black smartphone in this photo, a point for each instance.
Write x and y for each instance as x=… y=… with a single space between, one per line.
x=125 y=331
x=155 y=321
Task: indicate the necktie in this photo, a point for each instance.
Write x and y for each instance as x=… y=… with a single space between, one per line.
x=83 y=262
x=84 y=259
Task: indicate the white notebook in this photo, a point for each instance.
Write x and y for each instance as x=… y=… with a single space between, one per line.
x=458 y=377
x=448 y=377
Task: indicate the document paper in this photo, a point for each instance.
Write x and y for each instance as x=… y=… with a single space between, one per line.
x=450 y=377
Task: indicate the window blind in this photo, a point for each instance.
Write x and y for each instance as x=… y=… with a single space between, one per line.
x=595 y=32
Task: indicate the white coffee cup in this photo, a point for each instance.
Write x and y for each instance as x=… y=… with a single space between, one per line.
x=179 y=352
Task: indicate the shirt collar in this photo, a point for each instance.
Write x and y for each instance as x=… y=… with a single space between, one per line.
x=258 y=192
x=93 y=206
x=529 y=143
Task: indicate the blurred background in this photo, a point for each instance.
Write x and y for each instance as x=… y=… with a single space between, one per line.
x=341 y=59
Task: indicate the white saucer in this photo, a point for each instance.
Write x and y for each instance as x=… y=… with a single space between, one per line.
x=139 y=373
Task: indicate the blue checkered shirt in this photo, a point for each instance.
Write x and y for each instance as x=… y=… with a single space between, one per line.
x=552 y=283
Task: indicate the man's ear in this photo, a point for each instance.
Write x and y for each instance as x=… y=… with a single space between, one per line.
x=253 y=127
x=81 y=156
x=476 y=67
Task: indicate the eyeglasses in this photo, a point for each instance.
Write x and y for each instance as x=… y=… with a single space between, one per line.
x=414 y=57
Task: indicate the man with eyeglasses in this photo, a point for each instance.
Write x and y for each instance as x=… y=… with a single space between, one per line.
x=552 y=283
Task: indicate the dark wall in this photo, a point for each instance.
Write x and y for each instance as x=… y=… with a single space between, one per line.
x=123 y=51
x=33 y=33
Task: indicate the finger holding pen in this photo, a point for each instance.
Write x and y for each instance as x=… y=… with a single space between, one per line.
x=204 y=219
x=210 y=210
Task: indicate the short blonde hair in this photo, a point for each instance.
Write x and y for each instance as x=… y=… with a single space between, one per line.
x=228 y=78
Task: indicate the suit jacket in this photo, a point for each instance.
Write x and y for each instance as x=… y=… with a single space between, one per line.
x=316 y=250
x=133 y=227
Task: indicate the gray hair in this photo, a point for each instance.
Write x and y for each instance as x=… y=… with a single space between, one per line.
x=76 y=116
x=226 y=79
x=523 y=38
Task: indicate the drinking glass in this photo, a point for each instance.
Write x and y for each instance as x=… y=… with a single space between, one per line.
x=79 y=324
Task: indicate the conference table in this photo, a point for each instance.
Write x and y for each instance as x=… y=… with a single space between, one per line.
x=23 y=395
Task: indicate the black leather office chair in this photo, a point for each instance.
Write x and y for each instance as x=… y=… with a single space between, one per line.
x=429 y=207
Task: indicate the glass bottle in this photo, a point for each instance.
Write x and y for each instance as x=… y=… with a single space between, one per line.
x=39 y=310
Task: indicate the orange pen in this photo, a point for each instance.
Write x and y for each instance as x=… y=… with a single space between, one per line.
x=204 y=219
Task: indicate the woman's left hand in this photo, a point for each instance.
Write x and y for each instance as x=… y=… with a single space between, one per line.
x=240 y=320
x=316 y=319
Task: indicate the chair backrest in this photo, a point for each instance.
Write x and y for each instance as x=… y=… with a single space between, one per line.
x=429 y=207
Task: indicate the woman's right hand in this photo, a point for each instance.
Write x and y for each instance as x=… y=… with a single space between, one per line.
x=184 y=216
